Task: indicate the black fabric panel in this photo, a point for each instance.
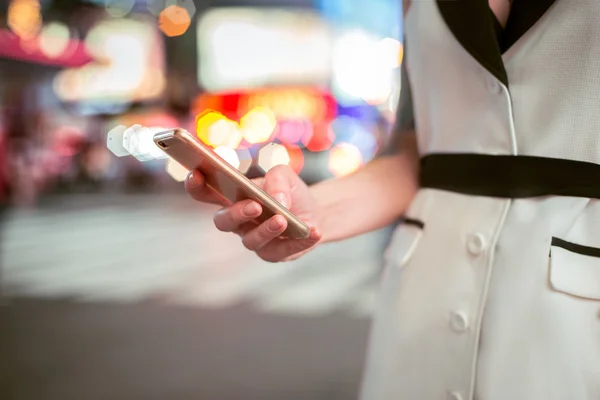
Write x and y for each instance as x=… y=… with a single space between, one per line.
x=523 y=15
x=414 y=222
x=472 y=24
x=510 y=176
x=576 y=248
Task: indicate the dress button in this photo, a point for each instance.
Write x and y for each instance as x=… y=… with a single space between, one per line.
x=458 y=321
x=493 y=85
x=476 y=243
x=454 y=396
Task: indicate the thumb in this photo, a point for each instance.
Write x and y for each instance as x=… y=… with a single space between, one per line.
x=279 y=182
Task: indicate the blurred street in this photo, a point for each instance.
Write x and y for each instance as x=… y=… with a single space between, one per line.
x=122 y=297
x=165 y=249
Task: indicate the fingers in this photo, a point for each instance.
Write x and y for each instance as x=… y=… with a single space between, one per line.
x=269 y=230
x=230 y=219
x=195 y=185
x=241 y=217
x=279 y=183
x=265 y=238
x=289 y=249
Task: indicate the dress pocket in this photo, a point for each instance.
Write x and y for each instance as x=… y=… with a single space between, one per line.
x=575 y=269
x=404 y=242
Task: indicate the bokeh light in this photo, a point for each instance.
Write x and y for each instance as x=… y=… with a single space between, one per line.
x=157 y=6
x=229 y=155
x=256 y=47
x=296 y=158
x=390 y=52
x=119 y=8
x=287 y=103
x=353 y=131
x=294 y=131
x=176 y=170
x=25 y=18
x=271 y=155
x=128 y=64
x=215 y=129
x=114 y=141
x=139 y=142
x=225 y=133
x=344 y=159
x=258 y=125
x=174 y=21
x=321 y=139
x=364 y=66
x=54 y=39
x=245 y=160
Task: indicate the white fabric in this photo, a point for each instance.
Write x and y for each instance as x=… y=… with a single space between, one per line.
x=575 y=274
x=494 y=318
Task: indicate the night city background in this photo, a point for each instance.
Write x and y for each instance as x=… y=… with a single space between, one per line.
x=114 y=283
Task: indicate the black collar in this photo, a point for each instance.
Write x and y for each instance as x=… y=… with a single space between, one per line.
x=471 y=22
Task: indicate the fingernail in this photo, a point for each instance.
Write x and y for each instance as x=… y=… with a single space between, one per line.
x=193 y=179
x=275 y=224
x=250 y=209
x=281 y=198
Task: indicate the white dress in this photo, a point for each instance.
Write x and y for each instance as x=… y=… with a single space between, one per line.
x=497 y=296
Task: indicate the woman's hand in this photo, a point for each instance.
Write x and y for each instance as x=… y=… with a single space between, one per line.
x=265 y=239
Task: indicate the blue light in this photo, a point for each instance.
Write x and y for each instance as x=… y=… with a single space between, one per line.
x=381 y=17
x=355 y=132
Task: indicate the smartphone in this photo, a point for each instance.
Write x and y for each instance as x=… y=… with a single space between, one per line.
x=224 y=179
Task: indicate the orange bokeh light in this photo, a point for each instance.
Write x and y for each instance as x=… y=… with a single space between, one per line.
x=321 y=139
x=174 y=21
x=25 y=18
x=296 y=158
